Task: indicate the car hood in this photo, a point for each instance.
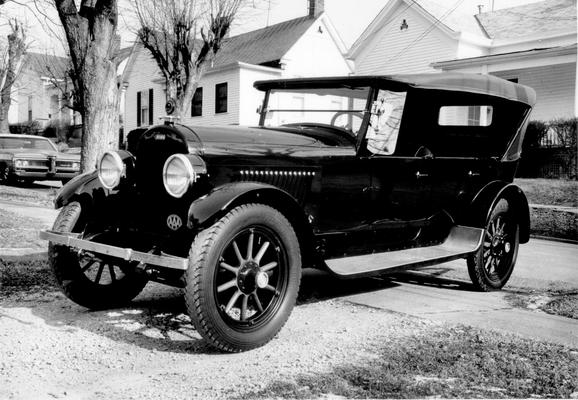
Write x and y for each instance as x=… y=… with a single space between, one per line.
x=238 y=135
x=26 y=153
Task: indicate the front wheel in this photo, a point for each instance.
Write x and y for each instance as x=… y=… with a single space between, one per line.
x=90 y=280
x=243 y=278
x=491 y=266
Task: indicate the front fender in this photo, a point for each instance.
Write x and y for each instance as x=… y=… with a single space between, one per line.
x=484 y=202
x=210 y=207
x=85 y=185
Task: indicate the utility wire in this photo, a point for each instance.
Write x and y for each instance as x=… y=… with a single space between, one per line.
x=427 y=31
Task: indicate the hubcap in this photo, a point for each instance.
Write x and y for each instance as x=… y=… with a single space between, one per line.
x=497 y=247
x=251 y=276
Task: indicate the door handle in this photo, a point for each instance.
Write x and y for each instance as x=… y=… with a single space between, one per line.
x=420 y=175
x=472 y=174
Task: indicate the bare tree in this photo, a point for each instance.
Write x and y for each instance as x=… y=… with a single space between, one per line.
x=93 y=48
x=183 y=37
x=10 y=64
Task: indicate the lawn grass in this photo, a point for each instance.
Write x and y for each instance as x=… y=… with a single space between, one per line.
x=25 y=195
x=556 y=192
x=23 y=275
x=447 y=361
x=563 y=303
x=564 y=306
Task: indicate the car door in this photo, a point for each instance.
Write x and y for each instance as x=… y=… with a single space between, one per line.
x=344 y=217
x=400 y=184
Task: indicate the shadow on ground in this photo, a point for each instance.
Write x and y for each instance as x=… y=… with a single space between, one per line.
x=157 y=319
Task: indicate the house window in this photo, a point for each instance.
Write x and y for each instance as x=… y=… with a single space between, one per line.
x=144 y=108
x=29 y=108
x=197 y=103
x=221 y=98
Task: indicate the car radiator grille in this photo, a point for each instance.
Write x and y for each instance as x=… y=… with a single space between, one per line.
x=295 y=182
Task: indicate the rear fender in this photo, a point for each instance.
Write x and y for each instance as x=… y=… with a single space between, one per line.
x=483 y=203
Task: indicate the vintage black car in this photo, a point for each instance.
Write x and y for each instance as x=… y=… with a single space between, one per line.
x=355 y=175
x=34 y=158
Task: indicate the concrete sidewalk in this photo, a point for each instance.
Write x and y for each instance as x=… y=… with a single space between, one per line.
x=462 y=305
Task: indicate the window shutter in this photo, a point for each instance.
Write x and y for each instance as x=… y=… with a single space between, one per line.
x=151 y=104
x=138 y=121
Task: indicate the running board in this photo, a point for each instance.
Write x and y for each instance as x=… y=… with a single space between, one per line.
x=461 y=242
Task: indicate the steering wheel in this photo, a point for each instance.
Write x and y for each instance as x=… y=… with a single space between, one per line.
x=340 y=113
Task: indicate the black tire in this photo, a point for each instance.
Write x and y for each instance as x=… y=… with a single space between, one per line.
x=4 y=174
x=86 y=280
x=265 y=278
x=491 y=266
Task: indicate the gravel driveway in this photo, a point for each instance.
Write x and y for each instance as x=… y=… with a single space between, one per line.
x=150 y=350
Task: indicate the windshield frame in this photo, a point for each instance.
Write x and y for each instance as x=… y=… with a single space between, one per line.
x=264 y=109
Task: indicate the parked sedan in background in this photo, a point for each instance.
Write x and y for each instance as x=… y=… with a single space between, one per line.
x=34 y=158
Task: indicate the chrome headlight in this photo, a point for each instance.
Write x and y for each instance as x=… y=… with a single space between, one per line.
x=76 y=166
x=110 y=169
x=178 y=175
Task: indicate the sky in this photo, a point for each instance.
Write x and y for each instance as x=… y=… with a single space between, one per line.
x=349 y=17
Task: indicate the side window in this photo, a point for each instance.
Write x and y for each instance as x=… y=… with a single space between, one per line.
x=466 y=115
x=383 y=129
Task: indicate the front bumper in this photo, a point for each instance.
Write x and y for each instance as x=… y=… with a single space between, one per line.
x=39 y=175
x=71 y=240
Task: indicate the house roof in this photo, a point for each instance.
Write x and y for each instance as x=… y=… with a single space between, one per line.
x=543 y=19
x=548 y=17
x=46 y=65
x=451 y=17
x=263 y=45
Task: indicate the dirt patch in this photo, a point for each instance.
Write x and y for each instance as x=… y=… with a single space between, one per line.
x=563 y=303
x=17 y=231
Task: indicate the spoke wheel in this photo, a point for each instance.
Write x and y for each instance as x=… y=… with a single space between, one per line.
x=491 y=267
x=243 y=278
x=252 y=276
x=93 y=281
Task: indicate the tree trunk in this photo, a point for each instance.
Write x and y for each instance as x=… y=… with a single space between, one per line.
x=100 y=124
x=93 y=46
x=16 y=50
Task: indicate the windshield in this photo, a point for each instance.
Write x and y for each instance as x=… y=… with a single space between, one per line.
x=342 y=107
x=26 y=143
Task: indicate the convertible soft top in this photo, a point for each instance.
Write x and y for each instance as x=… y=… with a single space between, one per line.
x=461 y=82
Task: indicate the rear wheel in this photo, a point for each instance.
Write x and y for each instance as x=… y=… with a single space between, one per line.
x=93 y=281
x=243 y=278
x=491 y=267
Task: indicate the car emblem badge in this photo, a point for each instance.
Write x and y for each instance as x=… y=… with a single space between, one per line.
x=174 y=222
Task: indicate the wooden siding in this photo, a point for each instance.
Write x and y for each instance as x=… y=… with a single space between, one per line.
x=145 y=75
x=251 y=98
x=387 y=51
x=209 y=116
x=555 y=88
x=315 y=54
